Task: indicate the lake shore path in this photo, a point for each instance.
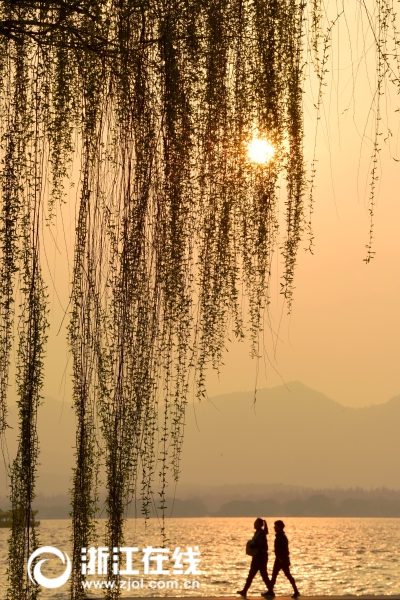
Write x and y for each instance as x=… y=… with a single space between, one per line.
x=347 y=597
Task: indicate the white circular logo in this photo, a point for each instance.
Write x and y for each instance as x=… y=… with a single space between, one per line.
x=40 y=579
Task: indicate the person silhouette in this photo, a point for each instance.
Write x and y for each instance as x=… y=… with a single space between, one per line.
x=257 y=548
x=282 y=561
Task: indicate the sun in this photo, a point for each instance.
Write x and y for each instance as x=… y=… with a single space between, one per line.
x=260 y=151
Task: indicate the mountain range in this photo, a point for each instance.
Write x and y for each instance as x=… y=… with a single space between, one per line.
x=290 y=434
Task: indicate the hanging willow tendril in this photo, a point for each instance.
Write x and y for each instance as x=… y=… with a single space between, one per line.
x=22 y=199
x=175 y=224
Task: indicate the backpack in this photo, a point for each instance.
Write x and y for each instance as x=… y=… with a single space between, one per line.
x=250 y=549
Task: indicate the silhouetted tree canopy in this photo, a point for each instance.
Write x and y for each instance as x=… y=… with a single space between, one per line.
x=158 y=101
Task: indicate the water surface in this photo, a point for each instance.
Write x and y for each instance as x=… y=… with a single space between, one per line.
x=330 y=556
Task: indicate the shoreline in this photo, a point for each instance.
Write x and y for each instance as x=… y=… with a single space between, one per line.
x=326 y=597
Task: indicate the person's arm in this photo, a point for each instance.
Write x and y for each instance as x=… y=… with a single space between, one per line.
x=259 y=539
x=282 y=548
x=256 y=539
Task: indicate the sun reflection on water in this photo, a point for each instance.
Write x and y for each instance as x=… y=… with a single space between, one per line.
x=329 y=556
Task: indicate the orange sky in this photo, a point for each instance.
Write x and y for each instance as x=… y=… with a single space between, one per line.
x=343 y=337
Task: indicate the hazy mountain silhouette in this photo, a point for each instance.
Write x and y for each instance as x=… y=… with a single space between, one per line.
x=292 y=435
x=56 y=431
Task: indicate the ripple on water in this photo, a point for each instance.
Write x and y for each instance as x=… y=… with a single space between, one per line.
x=325 y=554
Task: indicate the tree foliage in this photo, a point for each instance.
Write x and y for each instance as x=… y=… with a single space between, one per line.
x=175 y=224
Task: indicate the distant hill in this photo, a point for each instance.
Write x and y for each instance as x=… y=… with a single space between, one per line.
x=316 y=505
x=56 y=429
x=292 y=435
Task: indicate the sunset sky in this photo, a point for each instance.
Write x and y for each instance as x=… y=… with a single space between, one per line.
x=215 y=157
x=343 y=335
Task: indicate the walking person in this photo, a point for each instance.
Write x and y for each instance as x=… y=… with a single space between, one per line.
x=257 y=548
x=282 y=561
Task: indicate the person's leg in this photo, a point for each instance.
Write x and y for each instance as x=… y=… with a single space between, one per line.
x=264 y=573
x=275 y=571
x=286 y=570
x=254 y=567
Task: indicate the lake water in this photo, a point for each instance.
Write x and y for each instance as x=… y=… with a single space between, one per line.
x=329 y=556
